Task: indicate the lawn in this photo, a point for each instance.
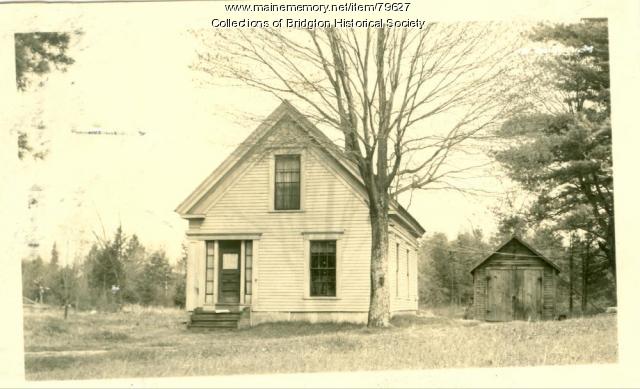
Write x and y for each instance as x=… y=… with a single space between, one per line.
x=146 y=343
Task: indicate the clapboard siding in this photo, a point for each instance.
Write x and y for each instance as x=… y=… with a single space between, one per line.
x=403 y=290
x=191 y=286
x=329 y=205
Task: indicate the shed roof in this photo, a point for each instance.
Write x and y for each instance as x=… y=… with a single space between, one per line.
x=522 y=242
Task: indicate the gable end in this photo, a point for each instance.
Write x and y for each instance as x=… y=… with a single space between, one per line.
x=513 y=252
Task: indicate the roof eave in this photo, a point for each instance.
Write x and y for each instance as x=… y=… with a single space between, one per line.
x=543 y=257
x=415 y=231
x=187 y=205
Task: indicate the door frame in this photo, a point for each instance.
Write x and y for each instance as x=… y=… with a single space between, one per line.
x=221 y=243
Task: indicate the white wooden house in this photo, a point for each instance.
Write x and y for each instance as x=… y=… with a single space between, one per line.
x=280 y=231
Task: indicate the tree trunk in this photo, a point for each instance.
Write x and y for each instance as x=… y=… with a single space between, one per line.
x=379 y=305
x=451 y=279
x=571 y=276
x=585 y=272
x=611 y=254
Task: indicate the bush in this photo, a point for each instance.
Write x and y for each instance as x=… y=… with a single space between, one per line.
x=180 y=297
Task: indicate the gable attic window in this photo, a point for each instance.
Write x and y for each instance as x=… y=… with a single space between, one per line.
x=287 y=182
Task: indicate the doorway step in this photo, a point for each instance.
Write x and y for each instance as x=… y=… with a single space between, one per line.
x=222 y=317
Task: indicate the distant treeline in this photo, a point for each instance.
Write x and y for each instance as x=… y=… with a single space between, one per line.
x=585 y=283
x=115 y=271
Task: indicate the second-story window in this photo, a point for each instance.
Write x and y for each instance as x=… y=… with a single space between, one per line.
x=287 y=182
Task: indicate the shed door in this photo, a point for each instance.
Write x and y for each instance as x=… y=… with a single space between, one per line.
x=229 y=272
x=499 y=290
x=528 y=294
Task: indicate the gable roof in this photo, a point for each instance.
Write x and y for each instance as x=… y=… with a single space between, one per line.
x=522 y=242
x=284 y=110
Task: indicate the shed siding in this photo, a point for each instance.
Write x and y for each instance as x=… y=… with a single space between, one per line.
x=329 y=205
x=514 y=255
x=549 y=294
x=480 y=293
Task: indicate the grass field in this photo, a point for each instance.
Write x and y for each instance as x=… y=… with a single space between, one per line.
x=147 y=343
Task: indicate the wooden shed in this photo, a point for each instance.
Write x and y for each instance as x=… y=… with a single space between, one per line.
x=515 y=282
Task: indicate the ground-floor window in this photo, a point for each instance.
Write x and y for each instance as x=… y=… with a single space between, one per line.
x=322 y=268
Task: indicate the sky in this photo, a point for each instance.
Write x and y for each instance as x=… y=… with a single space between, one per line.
x=132 y=74
x=127 y=80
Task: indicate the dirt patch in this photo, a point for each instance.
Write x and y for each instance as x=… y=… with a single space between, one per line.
x=65 y=353
x=84 y=353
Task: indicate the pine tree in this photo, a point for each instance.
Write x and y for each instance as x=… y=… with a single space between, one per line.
x=564 y=155
x=106 y=268
x=36 y=54
x=153 y=288
x=54 y=255
x=180 y=279
x=133 y=262
x=33 y=272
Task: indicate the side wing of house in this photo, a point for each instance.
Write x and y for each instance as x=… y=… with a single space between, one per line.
x=284 y=234
x=403 y=269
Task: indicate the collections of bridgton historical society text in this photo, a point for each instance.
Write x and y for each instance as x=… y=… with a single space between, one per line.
x=267 y=16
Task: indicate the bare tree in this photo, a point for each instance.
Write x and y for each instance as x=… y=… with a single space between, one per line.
x=403 y=101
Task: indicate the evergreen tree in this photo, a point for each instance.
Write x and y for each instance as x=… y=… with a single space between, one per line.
x=36 y=53
x=509 y=226
x=54 y=255
x=467 y=250
x=66 y=286
x=33 y=273
x=153 y=288
x=105 y=265
x=444 y=273
x=564 y=155
x=434 y=271
x=132 y=261
x=180 y=279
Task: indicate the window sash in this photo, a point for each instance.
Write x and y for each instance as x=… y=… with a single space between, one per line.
x=248 y=267
x=287 y=182
x=209 y=273
x=322 y=268
x=397 y=269
x=408 y=278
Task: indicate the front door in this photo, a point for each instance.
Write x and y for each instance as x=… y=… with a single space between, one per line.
x=229 y=274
